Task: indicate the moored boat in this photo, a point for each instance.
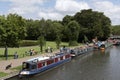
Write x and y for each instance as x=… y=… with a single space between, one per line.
x=80 y=50
x=41 y=64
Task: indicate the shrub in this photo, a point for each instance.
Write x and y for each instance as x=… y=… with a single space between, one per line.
x=28 y=43
x=73 y=43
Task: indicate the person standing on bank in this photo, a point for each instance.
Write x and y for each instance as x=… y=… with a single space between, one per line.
x=15 y=55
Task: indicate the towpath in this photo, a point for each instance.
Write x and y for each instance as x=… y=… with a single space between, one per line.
x=18 y=62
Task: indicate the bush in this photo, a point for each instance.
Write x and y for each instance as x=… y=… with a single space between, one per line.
x=28 y=43
x=73 y=43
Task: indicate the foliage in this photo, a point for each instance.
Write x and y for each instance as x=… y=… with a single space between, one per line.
x=73 y=43
x=42 y=42
x=67 y=19
x=85 y=39
x=96 y=24
x=115 y=30
x=58 y=41
x=28 y=43
x=73 y=31
x=12 y=30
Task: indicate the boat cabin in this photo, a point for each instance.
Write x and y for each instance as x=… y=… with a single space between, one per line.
x=40 y=62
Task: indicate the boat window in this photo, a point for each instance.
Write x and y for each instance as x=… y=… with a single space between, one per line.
x=48 y=62
x=26 y=66
x=56 y=59
x=63 y=57
x=33 y=66
x=39 y=65
x=52 y=61
x=43 y=64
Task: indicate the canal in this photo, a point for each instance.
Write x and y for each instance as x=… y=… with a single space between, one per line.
x=96 y=65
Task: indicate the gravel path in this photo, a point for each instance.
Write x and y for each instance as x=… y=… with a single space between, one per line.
x=18 y=62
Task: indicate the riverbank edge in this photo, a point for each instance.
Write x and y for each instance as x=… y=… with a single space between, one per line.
x=15 y=73
x=12 y=74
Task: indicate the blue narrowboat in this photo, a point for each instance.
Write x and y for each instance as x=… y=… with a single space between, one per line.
x=43 y=63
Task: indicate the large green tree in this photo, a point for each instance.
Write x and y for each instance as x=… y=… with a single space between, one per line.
x=35 y=28
x=12 y=30
x=73 y=32
x=42 y=42
x=67 y=19
x=58 y=28
x=96 y=23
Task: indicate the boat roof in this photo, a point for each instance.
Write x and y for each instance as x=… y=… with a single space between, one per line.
x=41 y=58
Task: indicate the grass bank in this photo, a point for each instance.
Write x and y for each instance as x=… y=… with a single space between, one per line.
x=21 y=51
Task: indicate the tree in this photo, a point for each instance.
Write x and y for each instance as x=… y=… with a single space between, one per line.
x=67 y=19
x=12 y=30
x=73 y=32
x=96 y=23
x=32 y=29
x=42 y=42
x=58 y=28
x=115 y=30
x=58 y=41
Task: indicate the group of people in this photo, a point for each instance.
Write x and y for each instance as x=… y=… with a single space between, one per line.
x=32 y=52
x=49 y=50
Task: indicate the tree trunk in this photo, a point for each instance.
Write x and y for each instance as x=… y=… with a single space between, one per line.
x=6 y=52
x=41 y=48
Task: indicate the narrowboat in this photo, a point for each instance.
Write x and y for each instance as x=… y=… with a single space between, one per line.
x=41 y=64
x=80 y=50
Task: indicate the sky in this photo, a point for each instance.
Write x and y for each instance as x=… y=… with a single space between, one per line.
x=57 y=9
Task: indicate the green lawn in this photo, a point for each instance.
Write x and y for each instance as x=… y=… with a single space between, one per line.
x=18 y=68
x=21 y=50
x=2 y=74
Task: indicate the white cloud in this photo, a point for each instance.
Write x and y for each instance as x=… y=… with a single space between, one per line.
x=25 y=6
x=62 y=8
x=38 y=8
x=51 y=15
x=111 y=10
x=70 y=5
x=23 y=9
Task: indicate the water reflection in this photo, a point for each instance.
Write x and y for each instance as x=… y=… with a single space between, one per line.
x=96 y=65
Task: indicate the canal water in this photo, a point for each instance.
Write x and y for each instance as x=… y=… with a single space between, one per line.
x=95 y=65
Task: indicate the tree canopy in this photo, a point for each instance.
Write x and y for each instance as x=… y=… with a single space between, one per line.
x=86 y=24
x=73 y=32
x=115 y=30
x=12 y=30
x=94 y=23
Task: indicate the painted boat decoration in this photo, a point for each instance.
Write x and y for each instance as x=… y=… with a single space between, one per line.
x=41 y=64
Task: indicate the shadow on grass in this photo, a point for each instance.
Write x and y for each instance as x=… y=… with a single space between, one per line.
x=2 y=57
x=8 y=56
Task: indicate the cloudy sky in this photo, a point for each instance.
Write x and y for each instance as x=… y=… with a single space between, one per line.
x=57 y=9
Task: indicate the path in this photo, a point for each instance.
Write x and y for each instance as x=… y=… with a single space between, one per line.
x=17 y=62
